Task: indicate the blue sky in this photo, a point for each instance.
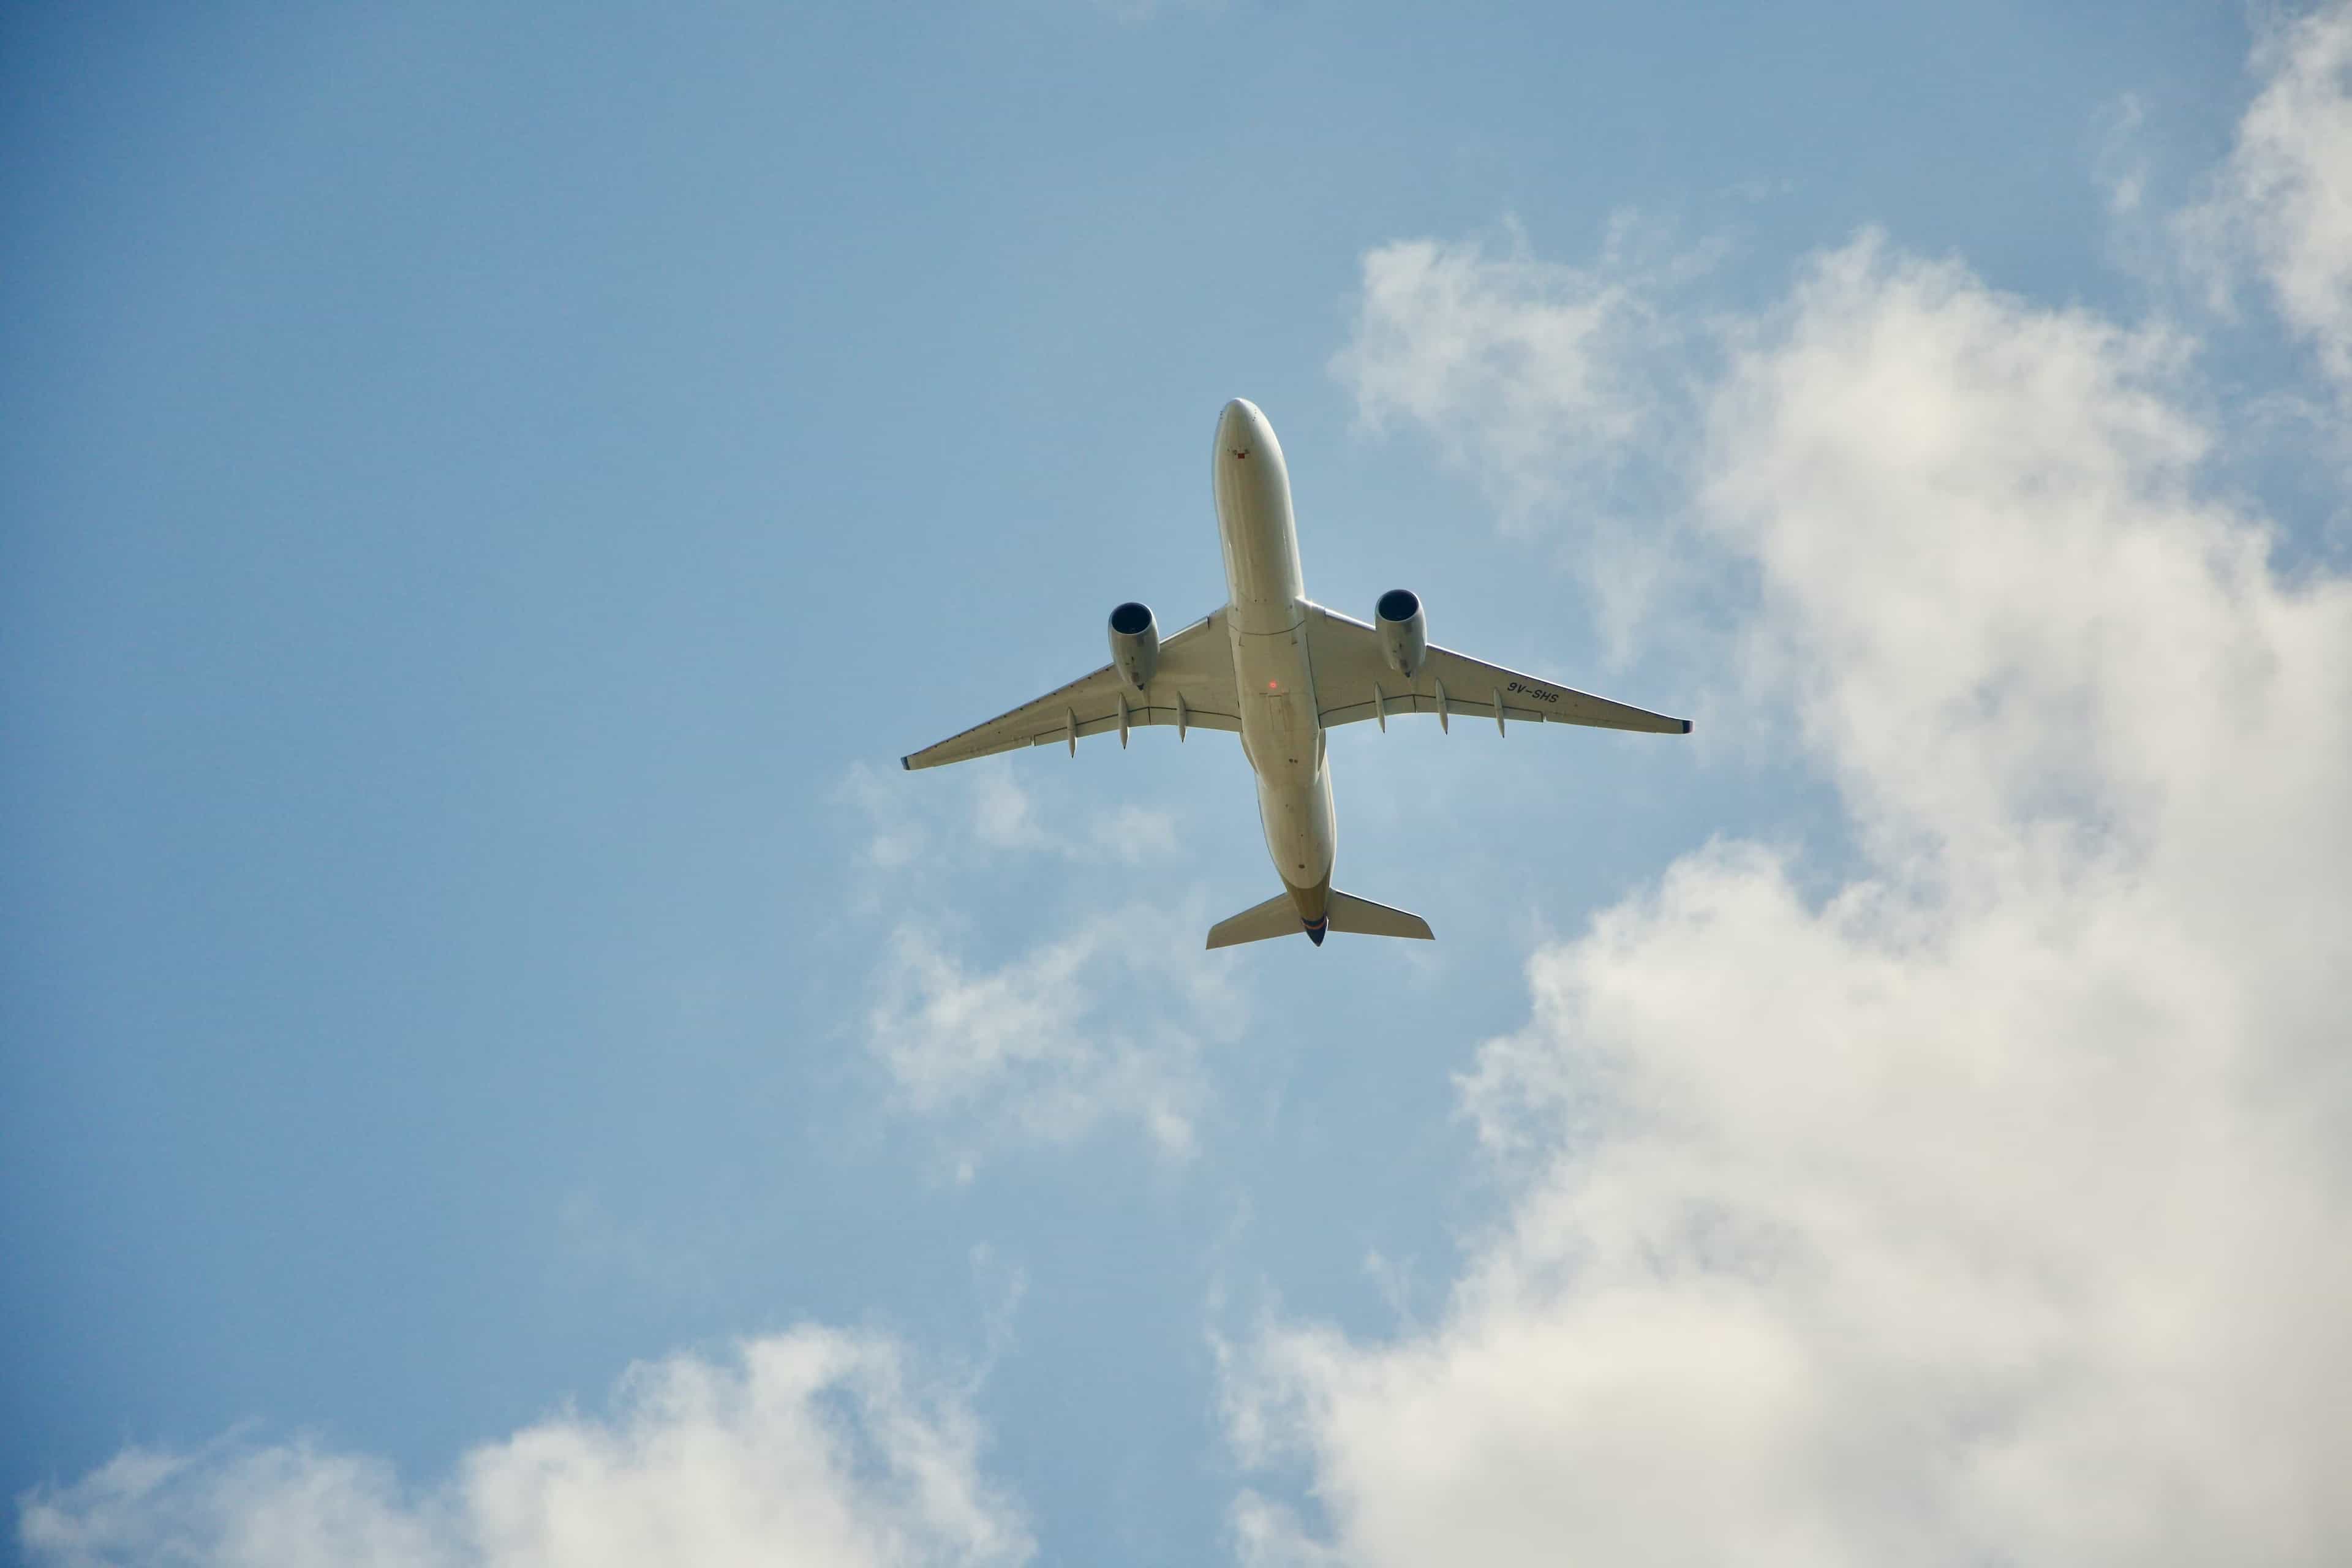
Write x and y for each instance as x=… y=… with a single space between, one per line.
x=489 y=499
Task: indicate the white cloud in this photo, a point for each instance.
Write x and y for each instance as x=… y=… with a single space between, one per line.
x=1108 y=1022
x=2119 y=159
x=1003 y=814
x=1268 y=1535
x=2284 y=201
x=990 y=812
x=1532 y=376
x=896 y=839
x=1565 y=394
x=1004 y=817
x=1997 y=1205
x=812 y=1448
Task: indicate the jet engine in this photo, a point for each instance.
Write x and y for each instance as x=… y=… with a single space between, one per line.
x=1404 y=631
x=1134 y=643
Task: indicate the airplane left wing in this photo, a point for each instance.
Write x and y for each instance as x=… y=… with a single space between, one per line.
x=1353 y=682
x=1193 y=686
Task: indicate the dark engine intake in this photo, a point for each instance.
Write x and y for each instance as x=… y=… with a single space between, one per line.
x=1404 y=631
x=1134 y=643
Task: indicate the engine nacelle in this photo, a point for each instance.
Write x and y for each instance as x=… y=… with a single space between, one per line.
x=1134 y=643
x=1404 y=631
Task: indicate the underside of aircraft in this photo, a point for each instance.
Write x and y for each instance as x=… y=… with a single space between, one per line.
x=1278 y=670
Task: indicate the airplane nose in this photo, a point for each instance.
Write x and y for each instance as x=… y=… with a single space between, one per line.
x=1240 y=426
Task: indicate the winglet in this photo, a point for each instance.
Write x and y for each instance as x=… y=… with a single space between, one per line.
x=908 y=763
x=1686 y=726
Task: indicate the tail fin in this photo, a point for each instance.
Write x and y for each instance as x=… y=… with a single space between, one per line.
x=1278 y=916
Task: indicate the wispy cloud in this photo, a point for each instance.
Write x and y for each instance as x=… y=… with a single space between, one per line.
x=1567 y=394
x=2282 y=207
x=1104 y=1021
x=1535 y=377
x=988 y=812
x=1517 y=367
x=812 y=1447
x=1004 y=817
x=1993 y=1207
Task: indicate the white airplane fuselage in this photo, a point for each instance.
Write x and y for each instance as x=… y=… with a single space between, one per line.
x=1281 y=729
x=1278 y=669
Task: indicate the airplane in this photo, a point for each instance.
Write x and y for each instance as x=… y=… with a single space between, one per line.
x=1280 y=669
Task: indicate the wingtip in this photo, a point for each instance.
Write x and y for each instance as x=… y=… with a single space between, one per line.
x=1686 y=726
x=908 y=763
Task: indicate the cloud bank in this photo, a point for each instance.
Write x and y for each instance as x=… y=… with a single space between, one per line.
x=812 y=1448
x=1996 y=1203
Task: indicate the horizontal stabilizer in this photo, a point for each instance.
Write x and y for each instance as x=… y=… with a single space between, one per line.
x=1275 y=917
x=1365 y=917
x=1278 y=916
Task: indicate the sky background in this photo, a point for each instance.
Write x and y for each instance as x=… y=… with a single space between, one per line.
x=496 y=1058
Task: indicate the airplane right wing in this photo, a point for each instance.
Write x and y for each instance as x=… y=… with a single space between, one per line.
x=1353 y=682
x=1193 y=686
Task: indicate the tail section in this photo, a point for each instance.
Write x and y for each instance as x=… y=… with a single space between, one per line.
x=1278 y=916
x=1365 y=917
x=1275 y=917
